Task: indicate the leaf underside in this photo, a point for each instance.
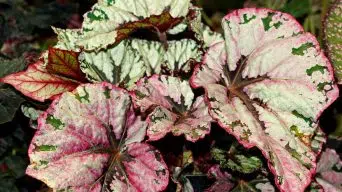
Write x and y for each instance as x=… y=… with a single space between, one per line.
x=268 y=90
x=37 y=83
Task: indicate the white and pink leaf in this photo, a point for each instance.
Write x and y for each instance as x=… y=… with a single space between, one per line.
x=267 y=85
x=90 y=140
x=173 y=106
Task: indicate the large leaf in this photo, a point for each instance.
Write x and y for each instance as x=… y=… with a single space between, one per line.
x=267 y=85
x=111 y=21
x=329 y=171
x=38 y=84
x=120 y=65
x=333 y=37
x=90 y=140
x=174 y=108
x=176 y=59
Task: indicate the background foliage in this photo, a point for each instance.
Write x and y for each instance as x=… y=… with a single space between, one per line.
x=25 y=31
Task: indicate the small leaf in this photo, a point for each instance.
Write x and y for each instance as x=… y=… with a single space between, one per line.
x=67 y=39
x=329 y=171
x=38 y=84
x=174 y=108
x=97 y=146
x=64 y=63
x=333 y=37
x=259 y=90
x=238 y=162
x=224 y=181
x=202 y=32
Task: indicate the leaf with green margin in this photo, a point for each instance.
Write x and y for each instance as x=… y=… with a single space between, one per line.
x=97 y=146
x=333 y=37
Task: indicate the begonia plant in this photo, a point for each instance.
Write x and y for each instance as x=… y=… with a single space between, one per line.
x=139 y=72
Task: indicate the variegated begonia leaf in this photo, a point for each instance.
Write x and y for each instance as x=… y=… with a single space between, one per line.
x=111 y=21
x=31 y=113
x=91 y=140
x=329 y=171
x=267 y=85
x=173 y=108
x=67 y=39
x=37 y=83
x=333 y=37
x=119 y=65
x=176 y=59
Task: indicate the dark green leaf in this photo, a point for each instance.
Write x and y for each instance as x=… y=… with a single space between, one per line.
x=10 y=101
x=297 y=8
x=237 y=162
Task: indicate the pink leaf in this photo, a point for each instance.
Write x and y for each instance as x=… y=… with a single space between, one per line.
x=174 y=110
x=39 y=84
x=89 y=140
x=223 y=182
x=267 y=85
x=329 y=171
